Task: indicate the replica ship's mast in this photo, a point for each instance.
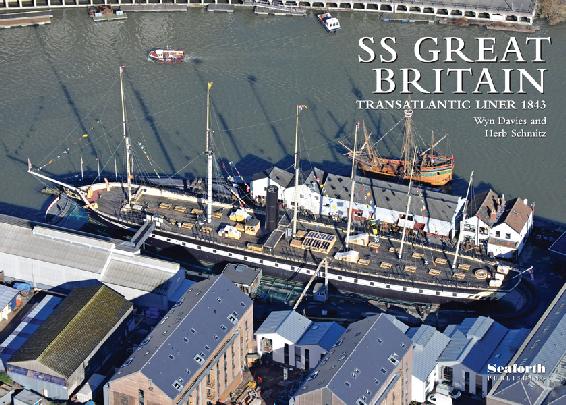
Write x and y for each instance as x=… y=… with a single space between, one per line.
x=460 y=235
x=408 y=141
x=300 y=107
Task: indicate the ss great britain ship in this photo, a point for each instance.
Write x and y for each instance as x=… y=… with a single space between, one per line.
x=430 y=167
x=279 y=241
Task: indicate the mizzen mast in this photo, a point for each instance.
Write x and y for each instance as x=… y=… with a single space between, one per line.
x=126 y=138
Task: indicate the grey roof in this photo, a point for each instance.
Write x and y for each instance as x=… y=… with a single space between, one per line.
x=545 y=345
x=315 y=179
x=359 y=364
x=240 y=273
x=288 y=324
x=196 y=325
x=278 y=175
x=99 y=256
x=475 y=342
x=323 y=334
x=487 y=206
x=392 y=196
x=73 y=331
x=400 y=325
x=428 y=344
x=7 y=294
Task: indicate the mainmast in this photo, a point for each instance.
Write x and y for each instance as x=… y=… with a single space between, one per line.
x=408 y=141
x=126 y=137
x=300 y=108
x=209 y=156
x=353 y=186
x=460 y=235
x=408 y=204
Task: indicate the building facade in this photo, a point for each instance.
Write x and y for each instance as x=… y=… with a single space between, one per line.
x=273 y=177
x=195 y=355
x=507 y=238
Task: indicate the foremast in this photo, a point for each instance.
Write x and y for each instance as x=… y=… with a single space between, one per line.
x=126 y=136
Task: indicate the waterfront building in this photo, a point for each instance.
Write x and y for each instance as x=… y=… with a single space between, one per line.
x=370 y=364
x=195 y=355
x=75 y=341
x=294 y=340
x=544 y=346
x=246 y=278
x=507 y=238
x=48 y=257
x=428 y=345
x=308 y=193
x=29 y=324
x=474 y=344
x=272 y=177
x=430 y=211
x=484 y=209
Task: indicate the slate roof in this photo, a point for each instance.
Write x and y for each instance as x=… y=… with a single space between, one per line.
x=323 y=334
x=278 y=175
x=392 y=196
x=516 y=214
x=315 y=179
x=545 y=345
x=240 y=273
x=74 y=330
x=428 y=344
x=358 y=365
x=477 y=342
x=484 y=204
x=196 y=325
x=7 y=294
x=288 y=324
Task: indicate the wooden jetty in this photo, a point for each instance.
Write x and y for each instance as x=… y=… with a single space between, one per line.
x=26 y=18
x=154 y=7
x=220 y=8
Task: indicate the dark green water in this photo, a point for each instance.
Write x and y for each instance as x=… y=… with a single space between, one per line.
x=61 y=81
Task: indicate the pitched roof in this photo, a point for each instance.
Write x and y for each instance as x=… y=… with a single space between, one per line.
x=392 y=196
x=362 y=361
x=74 y=330
x=315 y=179
x=516 y=214
x=240 y=273
x=428 y=344
x=183 y=342
x=7 y=294
x=323 y=334
x=545 y=345
x=487 y=206
x=276 y=174
x=288 y=324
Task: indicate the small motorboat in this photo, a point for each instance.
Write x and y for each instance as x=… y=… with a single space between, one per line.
x=330 y=24
x=166 y=56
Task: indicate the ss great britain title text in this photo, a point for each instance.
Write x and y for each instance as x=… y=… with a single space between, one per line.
x=528 y=52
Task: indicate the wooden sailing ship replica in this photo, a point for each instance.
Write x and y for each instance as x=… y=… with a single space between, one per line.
x=431 y=167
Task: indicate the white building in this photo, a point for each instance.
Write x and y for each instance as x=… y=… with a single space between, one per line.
x=294 y=340
x=483 y=212
x=474 y=344
x=428 y=344
x=308 y=194
x=274 y=176
x=431 y=212
x=46 y=258
x=507 y=238
x=8 y=297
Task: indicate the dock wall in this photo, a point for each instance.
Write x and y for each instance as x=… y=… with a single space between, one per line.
x=444 y=9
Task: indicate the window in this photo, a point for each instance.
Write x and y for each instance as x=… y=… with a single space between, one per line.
x=177 y=386
x=298 y=358
x=199 y=358
x=141 y=397
x=507 y=236
x=233 y=317
x=497 y=234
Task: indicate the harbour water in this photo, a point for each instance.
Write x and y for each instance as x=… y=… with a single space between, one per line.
x=60 y=101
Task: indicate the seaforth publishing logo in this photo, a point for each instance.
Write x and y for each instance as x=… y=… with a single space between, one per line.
x=516 y=369
x=515 y=372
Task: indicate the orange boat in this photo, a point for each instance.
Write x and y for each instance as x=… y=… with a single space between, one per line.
x=430 y=167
